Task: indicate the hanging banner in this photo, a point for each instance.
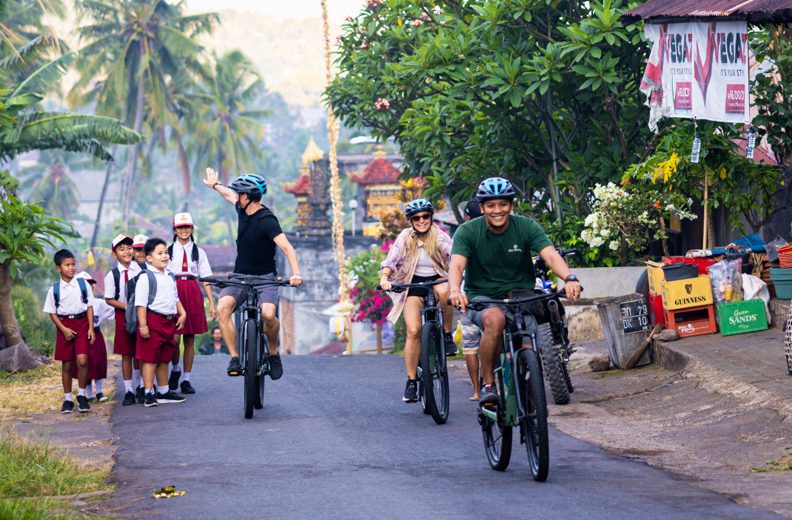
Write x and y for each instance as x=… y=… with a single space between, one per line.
x=697 y=70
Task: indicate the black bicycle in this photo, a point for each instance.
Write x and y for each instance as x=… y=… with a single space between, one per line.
x=556 y=357
x=520 y=385
x=432 y=368
x=252 y=343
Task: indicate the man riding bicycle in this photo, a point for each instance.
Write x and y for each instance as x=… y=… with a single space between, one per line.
x=494 y=253
x=258 y=234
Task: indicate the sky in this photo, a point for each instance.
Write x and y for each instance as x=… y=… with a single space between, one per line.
x=299 y=9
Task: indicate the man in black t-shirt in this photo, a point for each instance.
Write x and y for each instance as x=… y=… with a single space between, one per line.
x=258 y=233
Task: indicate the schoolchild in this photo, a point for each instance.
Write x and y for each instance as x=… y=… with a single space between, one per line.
x=115 y=296
x=138 y=243
x=188 y=262
x=97 y=354
x=70 y=306
x=471 y=334
x=159 y=317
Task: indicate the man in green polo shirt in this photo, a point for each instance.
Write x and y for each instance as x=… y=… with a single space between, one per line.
x=495 y=255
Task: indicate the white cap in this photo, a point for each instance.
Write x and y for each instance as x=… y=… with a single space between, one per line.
x=139 y=240
x=85 y=276
x=182 y=219
x=120 y=238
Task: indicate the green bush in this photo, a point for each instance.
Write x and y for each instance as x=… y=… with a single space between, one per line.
x=566 y=235
x=38 y=327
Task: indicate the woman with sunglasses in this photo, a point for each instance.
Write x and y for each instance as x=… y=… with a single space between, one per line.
x=421 y=253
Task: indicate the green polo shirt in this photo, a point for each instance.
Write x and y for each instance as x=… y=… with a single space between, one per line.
x=501 y=263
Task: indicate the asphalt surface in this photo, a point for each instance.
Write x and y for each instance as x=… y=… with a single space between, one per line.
x=335 y=441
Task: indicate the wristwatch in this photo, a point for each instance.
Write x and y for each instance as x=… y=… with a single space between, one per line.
x=215 y=184
x=571 y=278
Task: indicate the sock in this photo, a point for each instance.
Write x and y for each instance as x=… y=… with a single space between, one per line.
x=163 y=389
x=98 y=383
x=89 y=391
x=176 y=368
x=68 y=396
x=137 y=377
x=149 y=390
x=128 y=385
x=81 y=392
x=186 y=376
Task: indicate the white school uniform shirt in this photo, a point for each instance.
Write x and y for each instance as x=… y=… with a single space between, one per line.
x=70 y=299
x=201 y=269
x=102 y=311
x=166 y=298
x=109 y=281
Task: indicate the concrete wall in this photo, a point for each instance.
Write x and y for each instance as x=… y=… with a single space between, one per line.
x=604 y=282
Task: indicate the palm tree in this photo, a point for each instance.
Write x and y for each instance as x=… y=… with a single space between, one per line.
x=50 y=181
x=134 y=47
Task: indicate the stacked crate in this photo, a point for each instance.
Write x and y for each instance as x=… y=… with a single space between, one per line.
x=654 y=274
x=688 y=306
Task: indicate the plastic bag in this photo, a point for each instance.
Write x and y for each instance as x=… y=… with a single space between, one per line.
x=726 y=281
x=772 y=248
x=753 y=288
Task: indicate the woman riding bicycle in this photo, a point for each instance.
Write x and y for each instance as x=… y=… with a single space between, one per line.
x=421 y=253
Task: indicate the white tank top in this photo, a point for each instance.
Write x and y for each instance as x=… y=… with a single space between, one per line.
x=425 y=267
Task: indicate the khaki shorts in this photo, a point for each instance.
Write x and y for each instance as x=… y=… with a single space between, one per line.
x=471 y=336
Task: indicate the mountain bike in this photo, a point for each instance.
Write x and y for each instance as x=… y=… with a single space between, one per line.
x=252 y=343
x=520 y=385
x=556 y=356
x=432 y=368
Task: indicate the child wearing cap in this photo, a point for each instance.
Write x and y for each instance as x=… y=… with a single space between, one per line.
x=97 y=354
x=138 y=243
x=70 y=306
x=115 y=292
x=471 y=335
x=188 y=262
x=157 y=323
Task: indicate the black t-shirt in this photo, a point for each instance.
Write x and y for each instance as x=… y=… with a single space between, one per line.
x=255 y=246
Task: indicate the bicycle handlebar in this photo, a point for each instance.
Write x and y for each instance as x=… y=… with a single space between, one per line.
x=482 y=303
x=401 y=287
x=224 y=282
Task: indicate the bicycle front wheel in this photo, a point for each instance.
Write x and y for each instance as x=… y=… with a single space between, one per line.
x=434 y=374
x=497 y=436
x=251 y=365
x=534 y=422
x=259 y=393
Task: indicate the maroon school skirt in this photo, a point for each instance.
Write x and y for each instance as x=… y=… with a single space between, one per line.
x=124 y=343
x=97 y=359
x=192 y=300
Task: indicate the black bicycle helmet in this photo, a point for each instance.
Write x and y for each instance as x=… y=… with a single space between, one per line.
x=251 y=184
x=417 y=206
x=495 y=188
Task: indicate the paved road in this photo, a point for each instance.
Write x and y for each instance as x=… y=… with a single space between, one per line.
x=335 y=441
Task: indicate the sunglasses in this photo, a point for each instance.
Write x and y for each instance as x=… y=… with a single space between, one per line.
x=418 y=218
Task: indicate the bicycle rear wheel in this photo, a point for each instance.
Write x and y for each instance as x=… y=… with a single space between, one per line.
x=434 y=374
x=251 y=364
x=497 y=436
x=530 y=385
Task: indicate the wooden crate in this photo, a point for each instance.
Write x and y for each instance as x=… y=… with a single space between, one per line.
x=656 y=314
x=695 y=321
x=683 y=294
x=654 y=274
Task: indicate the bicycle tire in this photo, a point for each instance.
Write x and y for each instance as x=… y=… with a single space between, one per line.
x=421 y=394
x=434 y=373
x=553 y=365
x=497 y=437
x=533 y=426
x=567 y=379
x=259 y=404
x=251 y=362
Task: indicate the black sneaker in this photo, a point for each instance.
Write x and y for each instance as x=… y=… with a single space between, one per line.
x=150 y=400
x=488 y=394
x=91 y=399
x=129 y=399
x=170 y=397
x=140 y=393
x=187 y=388
x=68 y=407
x=450 y=347
x=100 y=397
x=275 y=367
x=82 y=404
x=411 y=392
x=173 y=380
x=234 y=368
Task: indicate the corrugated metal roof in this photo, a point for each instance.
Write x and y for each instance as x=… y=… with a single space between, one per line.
x=756 y=11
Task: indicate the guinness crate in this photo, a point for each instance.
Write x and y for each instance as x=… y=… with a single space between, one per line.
x=694 y=321
x=683 y=294
x=742 y=317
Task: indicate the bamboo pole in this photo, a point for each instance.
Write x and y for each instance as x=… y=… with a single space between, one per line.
x=706 y=204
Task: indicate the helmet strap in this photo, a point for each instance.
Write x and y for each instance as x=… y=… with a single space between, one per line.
x=419 y=233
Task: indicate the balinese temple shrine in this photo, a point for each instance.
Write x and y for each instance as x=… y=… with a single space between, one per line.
x=311 y=191
x=378 y=190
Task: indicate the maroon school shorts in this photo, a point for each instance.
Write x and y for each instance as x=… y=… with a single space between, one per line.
x=192 y=300
x=124 y=344
x=69 y=350
x=97 y=359
x=160 y=345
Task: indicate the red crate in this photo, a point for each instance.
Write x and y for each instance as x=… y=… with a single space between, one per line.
x=701 y=263
x=656 y=314
x=694 y=321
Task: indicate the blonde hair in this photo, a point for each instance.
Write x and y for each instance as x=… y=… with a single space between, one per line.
x=431 y=247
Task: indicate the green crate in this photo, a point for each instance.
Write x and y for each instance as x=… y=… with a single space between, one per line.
x=741 y=317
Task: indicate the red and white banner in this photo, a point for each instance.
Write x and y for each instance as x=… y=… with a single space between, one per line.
x=698 y=70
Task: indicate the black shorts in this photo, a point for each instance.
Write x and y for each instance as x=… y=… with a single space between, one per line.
x=421 y=292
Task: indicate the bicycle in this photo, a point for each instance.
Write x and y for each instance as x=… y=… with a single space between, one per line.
x=432 y=368
x=252 y=343
x=520 y=387
x=556 y=357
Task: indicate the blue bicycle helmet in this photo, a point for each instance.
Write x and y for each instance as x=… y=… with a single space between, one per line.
x=251 y=184
x=417 y=206
x=495 y=188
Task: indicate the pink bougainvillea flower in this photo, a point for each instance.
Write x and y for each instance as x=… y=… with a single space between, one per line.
x=417 y=23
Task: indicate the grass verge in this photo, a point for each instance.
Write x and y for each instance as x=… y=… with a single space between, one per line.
x=785 y=464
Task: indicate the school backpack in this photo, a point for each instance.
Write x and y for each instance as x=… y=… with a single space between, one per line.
x=117 y=278
x=131 y=310
x=83 y=291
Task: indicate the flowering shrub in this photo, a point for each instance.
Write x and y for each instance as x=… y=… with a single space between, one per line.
x=371 y=306
x=382 y=103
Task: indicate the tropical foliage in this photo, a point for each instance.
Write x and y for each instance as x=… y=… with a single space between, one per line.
x=773 y=89
x=371 y=305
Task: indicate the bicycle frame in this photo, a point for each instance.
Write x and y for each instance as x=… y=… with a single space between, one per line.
x=249 y=311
